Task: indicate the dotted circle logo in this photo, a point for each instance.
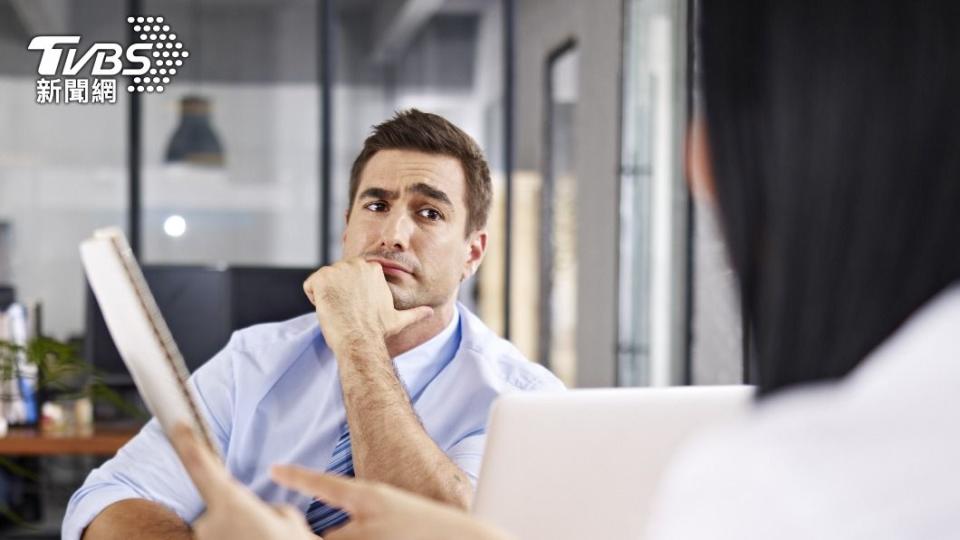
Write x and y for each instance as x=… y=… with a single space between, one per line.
x=168 y=52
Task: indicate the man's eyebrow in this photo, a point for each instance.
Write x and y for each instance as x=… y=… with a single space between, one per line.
x=432 y=192
x=379 y=193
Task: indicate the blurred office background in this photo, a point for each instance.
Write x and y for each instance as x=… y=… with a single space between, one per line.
x=601 y=265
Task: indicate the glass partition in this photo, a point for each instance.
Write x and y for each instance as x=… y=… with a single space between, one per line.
x=653 y=271
x=249 y=192
x=62 y=165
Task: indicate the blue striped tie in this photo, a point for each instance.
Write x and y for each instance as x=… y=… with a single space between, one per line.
x=320 y=516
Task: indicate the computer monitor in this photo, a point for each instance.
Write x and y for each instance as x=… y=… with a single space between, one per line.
x=261 y=294
x=202 y=306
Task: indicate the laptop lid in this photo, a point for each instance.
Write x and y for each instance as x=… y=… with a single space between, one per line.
x=586 y=463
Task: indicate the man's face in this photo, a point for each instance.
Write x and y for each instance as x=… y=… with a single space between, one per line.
x=410 y=216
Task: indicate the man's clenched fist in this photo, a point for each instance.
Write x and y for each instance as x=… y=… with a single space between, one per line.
x=354 y=304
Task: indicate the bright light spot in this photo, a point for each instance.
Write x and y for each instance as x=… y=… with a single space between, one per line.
x=175 y=226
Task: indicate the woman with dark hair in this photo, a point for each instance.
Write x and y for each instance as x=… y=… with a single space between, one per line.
x=829 y=141
x=831 y=147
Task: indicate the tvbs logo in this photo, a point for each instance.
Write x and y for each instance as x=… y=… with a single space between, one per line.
x=151 y=61
x=107 y=57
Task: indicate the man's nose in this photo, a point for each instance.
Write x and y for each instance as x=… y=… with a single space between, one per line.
x=396 y=232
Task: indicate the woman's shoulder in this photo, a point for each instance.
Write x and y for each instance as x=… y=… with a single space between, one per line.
x=826 y=461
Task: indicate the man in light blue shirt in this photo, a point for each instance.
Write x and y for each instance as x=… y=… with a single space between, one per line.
x=391 y=378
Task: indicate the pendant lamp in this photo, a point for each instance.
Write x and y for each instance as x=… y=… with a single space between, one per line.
x=195 y=141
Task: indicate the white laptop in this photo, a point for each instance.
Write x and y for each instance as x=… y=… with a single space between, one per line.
x=585 y=463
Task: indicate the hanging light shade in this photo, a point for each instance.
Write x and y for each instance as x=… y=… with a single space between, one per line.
x=195 y=141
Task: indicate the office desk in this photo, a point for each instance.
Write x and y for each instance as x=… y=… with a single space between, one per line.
x=105 y=441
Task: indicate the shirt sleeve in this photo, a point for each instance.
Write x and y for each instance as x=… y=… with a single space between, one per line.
x=468 y=454
x=147 y=466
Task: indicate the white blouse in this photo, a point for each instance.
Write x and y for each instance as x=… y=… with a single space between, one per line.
x=876 y=455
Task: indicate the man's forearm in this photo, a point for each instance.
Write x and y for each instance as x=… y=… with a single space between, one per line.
x=389 y=443
x=137 y=519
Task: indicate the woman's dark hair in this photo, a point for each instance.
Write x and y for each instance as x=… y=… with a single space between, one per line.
x=834 y=131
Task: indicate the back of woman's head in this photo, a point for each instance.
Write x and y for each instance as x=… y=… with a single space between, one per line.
x=834 y=130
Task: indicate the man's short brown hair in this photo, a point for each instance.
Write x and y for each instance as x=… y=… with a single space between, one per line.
x=432 y=134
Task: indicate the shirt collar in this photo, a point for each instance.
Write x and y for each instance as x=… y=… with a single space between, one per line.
x=418 y=366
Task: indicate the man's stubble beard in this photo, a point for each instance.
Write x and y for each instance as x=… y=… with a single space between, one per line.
x=407 y=299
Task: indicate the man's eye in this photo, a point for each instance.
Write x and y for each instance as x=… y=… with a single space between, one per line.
x=431 y=214
x=378 y=206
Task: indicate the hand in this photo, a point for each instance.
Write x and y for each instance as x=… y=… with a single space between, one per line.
x=354 y=303
x=233 y=511
x=378 y=511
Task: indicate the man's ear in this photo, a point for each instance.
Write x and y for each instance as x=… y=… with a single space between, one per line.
x=699 y=164
x=476 y=249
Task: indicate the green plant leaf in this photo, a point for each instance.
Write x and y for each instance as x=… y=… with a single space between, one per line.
x=18 y=470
